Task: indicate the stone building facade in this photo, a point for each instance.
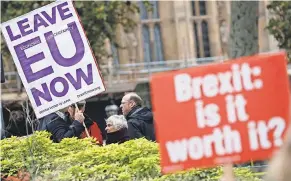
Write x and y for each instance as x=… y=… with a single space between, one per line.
x=175 y=30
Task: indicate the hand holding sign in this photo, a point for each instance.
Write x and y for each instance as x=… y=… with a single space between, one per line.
x=79 y=116
x=232 y=112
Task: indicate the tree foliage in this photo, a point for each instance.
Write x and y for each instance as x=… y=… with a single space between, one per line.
x=99 y=18
x=280 y=24
x=81 y=159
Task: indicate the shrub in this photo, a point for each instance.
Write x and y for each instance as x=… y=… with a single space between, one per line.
x=280 y=23
x=79 y=159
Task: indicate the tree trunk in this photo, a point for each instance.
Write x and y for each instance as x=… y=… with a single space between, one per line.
x=243 y=40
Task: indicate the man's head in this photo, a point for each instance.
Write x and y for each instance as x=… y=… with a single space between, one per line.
x=111 y=110
x=129 y=101
x=72 y=108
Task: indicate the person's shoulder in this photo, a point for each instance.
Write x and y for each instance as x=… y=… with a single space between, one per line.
x=50 y=116
x=47 y=120
x=134 y=121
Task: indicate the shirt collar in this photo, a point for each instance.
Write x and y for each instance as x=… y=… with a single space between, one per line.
x=61 y=114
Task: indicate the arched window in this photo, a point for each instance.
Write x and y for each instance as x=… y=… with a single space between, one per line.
x=193 y=8
x=197 y=47
x=155 y=12
x=205 y=38
x=143 y=11
x=201 y=28
x=114 y=54
x=202 y=8
x=146 y=43
x=152 y=51
x=158 y=44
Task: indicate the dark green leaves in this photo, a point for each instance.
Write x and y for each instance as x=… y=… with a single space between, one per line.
x=81 y=159
x=280 y=23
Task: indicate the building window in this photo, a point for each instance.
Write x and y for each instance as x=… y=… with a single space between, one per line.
x=202 y=8
x=158 y=43
x=196 y=40
x=114 y=54
x=193 y=8
x=155 y=12
x=146 y=43
x=205 y=39
x=143 y=11
x=151 y=33
x=200 y=19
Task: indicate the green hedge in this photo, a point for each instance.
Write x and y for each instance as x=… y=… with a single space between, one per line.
x=76 y=159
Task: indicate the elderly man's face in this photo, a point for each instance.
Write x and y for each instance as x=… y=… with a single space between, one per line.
x=126 y=105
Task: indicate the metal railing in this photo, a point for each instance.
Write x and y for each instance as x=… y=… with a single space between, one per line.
x=122 y=73
x=139 y=72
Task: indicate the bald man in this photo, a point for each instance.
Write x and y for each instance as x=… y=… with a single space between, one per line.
x=139 y=119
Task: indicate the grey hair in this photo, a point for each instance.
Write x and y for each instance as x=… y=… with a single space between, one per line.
x=117 y=121
x=135 y=98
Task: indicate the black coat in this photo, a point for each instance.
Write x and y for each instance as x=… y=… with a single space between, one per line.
x=62 y=128
x=119 y=136
x=140 y=123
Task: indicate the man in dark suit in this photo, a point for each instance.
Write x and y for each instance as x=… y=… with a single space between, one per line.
x=139 y=119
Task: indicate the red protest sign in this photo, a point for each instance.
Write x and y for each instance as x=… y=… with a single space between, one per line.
x=221 y=113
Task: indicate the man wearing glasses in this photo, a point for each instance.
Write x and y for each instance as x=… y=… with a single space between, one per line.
x=139 y=119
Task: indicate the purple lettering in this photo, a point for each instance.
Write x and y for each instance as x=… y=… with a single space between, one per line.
x=23 y=27
x=38 y=21
x=45 y=94
x=77 y=83
x=10 y=33
x=51 y=19
x=55 y=52
x=26 y=62
x=63 y=9
x=81 y=75
x=53 y=87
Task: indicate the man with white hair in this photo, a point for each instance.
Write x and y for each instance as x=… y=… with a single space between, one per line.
x=139 y=119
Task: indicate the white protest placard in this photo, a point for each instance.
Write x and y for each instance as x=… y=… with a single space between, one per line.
x=53 y=57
